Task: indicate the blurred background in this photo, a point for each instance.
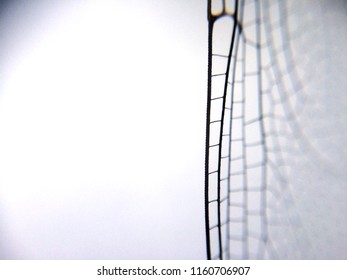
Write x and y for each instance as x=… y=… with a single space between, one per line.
x=102 y=109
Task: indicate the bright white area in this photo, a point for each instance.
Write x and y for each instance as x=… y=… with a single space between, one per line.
x=102 y=108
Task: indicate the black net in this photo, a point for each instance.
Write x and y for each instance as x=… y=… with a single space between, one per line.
x=266 y=123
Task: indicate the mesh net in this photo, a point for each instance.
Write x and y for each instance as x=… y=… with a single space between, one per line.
x=269 y=151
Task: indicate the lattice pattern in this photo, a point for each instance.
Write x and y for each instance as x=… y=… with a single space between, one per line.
x=256 y=95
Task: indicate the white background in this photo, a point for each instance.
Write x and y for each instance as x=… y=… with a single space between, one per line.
x=102 y=111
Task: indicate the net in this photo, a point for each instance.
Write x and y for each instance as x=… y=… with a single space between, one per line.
x=264 y=148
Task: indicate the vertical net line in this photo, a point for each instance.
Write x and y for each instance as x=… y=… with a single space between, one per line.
x=207 y=140
x=231 y=48
x=244 y=161
x=230 y=131
x=263 y=186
